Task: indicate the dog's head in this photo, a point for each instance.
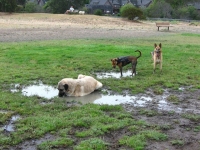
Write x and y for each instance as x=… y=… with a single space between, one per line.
x=114 y=62
x=157 y=48
x=65 y=87
x=62 y=88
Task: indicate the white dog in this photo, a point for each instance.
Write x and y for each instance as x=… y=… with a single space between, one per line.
x=82 y=12
x=84 y=85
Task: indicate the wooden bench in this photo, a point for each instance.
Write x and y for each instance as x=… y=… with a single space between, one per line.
x=163 y=24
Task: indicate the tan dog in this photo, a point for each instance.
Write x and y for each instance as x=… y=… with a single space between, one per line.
x=82 y=86
x=157 y=56
x=123 y=61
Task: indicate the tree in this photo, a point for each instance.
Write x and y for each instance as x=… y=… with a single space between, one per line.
x=20 y=2
x=30 y=7
x=7 y=5
x=179 y=3
x=60 y=6
x=159 y=9
x=187 y=12
x=130 y=11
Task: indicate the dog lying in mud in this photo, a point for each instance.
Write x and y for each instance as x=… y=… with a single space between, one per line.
x=157 y=56
x=123 y=61
x=82 y=86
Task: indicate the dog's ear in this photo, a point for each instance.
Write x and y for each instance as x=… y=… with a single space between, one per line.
x=66 y=86
x=155 y=45
x=160 y=45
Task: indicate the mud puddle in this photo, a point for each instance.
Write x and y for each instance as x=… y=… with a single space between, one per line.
x=38 y=89
x=9 y=127
x=139 y=100
x=33 y=143
x=103 y=75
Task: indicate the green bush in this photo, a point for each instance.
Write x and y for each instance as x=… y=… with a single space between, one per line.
x=98 y=12
x=188 y=12
x=130 y=11
x=30 y=7
x=159 y=9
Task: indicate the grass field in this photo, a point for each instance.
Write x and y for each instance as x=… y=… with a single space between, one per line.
x=82 y=127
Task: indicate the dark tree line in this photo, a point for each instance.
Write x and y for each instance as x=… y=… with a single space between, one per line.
x=177 y=9
x=8 y=5
x=177 y=3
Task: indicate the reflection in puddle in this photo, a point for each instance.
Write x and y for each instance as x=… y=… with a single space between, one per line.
x=40 y=90
x=102 y=75
x=119 y=99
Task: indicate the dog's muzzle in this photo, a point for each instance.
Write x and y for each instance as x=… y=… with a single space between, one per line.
x=157 y=51
x=61 y=93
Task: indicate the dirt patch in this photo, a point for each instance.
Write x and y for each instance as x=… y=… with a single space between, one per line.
x=31 y=27
x=182 y=132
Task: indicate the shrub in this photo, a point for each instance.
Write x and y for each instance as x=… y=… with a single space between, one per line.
x=159 y=9
x=30 y=7
x=98 y=12
x=130 y=11
x=187 y=13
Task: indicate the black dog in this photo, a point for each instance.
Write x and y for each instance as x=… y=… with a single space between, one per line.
x=123 y=61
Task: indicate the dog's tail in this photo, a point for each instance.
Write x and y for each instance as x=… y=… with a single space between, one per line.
x=140 y=53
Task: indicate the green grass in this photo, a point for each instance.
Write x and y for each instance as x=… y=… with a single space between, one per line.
x=50 y=61
x=138 y=141
x=173 y=99
x=62 y=142
x=177 y=142
x=192 y=117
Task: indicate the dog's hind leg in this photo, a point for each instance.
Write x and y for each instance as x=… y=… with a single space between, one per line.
x=134 y=64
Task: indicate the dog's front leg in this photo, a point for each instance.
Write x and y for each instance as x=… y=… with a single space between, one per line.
x=120 y=68
x=154 y=66
x=161 y=63
x=154 y=63
x=160 y=67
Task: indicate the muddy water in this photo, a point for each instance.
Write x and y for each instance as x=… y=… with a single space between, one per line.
x=10 y=127
x=38 y=89
x=140 y=100
x=114 y=74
